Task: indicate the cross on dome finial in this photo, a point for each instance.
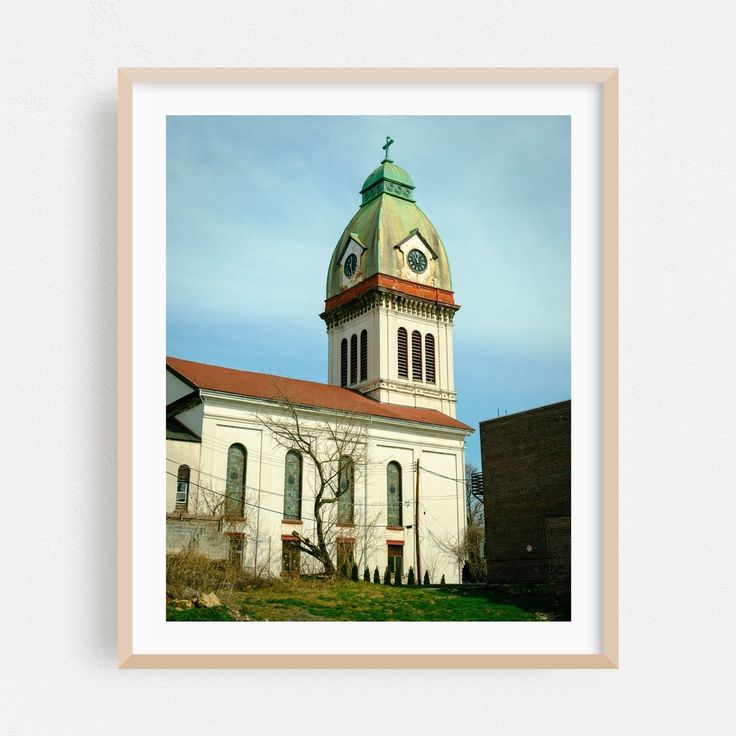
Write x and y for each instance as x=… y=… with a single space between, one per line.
x=386 y=146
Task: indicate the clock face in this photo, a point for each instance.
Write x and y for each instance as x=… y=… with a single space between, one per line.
x=417 y=261
x=351 y=263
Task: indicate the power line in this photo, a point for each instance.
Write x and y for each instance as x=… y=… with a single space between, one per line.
x=252 y=488
x=405 y=502
x=272 y=460
x=263 y=508
x=222 y=446
x=280 y=495
x=447 y=477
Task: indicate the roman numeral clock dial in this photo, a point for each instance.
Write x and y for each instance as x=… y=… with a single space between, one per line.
x=417 y=261
x=351 y=264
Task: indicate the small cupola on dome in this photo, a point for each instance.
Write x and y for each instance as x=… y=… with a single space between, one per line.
x=387 y=178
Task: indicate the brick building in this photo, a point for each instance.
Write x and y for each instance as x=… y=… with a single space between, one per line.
x=526 y=486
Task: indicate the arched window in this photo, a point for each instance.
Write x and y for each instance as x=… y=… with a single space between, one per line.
x=182 y=487
x=346 y=491
x=364 y=355
x=403 y=353
x=416 y=355
x=344 y=362
x=293 y=486
x=429 y=358
x=393 y=494
x=235 y=483
x=354 y=359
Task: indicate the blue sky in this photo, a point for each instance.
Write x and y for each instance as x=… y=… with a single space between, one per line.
x=255 y=206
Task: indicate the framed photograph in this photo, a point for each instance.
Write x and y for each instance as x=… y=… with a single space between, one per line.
x=379 y=308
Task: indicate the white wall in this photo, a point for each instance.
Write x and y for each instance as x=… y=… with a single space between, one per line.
x=182 y=453
x=678 y=418
x=383 y=382
x=235 y=420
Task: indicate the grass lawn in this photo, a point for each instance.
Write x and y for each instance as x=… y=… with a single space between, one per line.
x=316 y=600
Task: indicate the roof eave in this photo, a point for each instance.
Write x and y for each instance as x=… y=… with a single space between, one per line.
x=219 y=394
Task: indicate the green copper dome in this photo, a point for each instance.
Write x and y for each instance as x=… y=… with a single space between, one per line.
x=387 y=224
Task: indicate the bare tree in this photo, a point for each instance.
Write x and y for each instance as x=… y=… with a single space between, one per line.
x=336 y=447
x=468 y=549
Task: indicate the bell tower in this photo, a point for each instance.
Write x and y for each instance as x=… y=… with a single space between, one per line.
x=389 y=306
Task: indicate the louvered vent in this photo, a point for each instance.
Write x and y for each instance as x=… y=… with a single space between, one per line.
x=416 y=355
x=403 y=354
x=429 y=358
x=353 y=359
x=344 y=362
x=363 y=355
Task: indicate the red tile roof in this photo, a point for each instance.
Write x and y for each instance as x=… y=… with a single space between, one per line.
x=303 y=393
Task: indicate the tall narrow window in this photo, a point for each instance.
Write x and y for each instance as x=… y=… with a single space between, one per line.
x=395 y=559
x=182 y=487
x=235 y=485
x=293 y=486
x=403 y=350
x=344 y=362
x=364 y=355
x=393 y=494
x=346 y=491
x=416 y=355
x=290 y=559
x=429 y=358
x=354 y=359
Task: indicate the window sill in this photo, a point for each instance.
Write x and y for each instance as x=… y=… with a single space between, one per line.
x=291 y=521
x=346 y=524
x=398 y=528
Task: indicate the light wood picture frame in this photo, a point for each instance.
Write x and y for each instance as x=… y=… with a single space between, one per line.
x=131 y=653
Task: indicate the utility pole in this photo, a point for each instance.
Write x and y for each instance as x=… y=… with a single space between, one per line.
x=416 y=528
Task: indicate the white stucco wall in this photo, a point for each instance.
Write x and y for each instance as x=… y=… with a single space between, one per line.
x=383 y=382
x=181 y=453
x=230 y=420
x=367 y=321
x=176 y=388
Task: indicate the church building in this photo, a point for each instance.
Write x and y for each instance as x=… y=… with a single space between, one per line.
x=292 y=477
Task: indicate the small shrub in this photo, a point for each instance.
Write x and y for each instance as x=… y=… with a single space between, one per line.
x=376 y=576
x=366 y=575
x=426 y=578
x=442 y=582
x=387 y=577
x=354 y=573
x=410 y=577
x=344 y=570
x=397 y=577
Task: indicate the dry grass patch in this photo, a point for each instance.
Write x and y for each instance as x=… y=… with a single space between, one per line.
x=304 y=599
